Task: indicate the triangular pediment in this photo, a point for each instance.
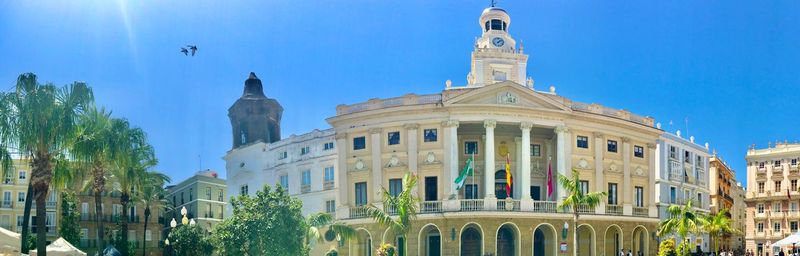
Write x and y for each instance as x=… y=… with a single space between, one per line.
x=507 y=93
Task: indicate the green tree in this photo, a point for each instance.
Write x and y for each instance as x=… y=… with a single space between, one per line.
x=96 y=149
x=318 y=221
x=188 y=240
x=39 y=121
x=135 y=158
x=68 y=227
x=405 y=205
x=716 y=225
x=681 y=220
x=576 y=198
x=667 y=248
x=151 y=196
x=269 y=223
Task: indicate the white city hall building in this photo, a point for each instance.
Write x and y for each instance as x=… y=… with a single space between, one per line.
x=497 y=117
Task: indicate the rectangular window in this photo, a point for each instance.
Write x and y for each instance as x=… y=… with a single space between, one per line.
x=359 y=143
x=673 y=152
x=793 y=206
x=430 y=135
x=761 y=165
x=328 y=146
x=395 y=186
x=687 y=156
x=777 y=163
x=612 y=193
x=760 y=208
x=285 y=181
x=330 y=206
x=305 y=150
x=583 y=142
x=21 y=197
x=699 y=161
x=793 y=226
x=191 y=195
x=776 y=207
x=470 y=147
x=220 y=196
x=776 y=227
x=584 y=186
x=612 y=146
x=777 y=185
x=282 y=155
x=471 y=191
x=306 y=177
x=329 y=173
x=393 y=138
x=148 y=235
x=639 y=199
x=793 y=185
x=760 y=227
x=243 y=190
x=536 y=150
x=700 y=199
x=638 y=151
x=361 y=193
x=761 y=187
x=6 y=198
x=672 y=195
x=794 y=162
x=24 y=175
x=208 y=193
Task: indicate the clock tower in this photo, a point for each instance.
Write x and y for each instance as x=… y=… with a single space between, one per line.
x=496 y=57
x=254 y=117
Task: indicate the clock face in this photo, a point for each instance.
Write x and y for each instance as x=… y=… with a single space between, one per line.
x=498 y=41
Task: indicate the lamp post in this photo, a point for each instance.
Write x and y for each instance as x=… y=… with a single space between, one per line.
x=173 y=224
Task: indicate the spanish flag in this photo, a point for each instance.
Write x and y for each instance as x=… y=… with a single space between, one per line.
x=508 y=176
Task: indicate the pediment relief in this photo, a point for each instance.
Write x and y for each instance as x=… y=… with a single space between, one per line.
x=506 y=93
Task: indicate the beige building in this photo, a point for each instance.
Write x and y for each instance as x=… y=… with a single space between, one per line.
x=723 y=196
x=205 y=197
x=111 y=215
x=772 y=195
x=738 y=217
x=14 y=187
x=498 y=117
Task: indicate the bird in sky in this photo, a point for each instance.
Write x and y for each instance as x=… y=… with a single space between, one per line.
x=185 y=52
x=193 y=48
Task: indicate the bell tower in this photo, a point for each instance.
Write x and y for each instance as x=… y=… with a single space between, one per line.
x=255 y=117
x=496 y=56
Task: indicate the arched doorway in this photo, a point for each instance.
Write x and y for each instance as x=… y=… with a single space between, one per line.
x=613 y=240
x=545 y=240
x=362 y=244
x=586 y=240
x=500 y=185
x=507 y=239
x=640 y=241
x=471 y=241
x=430 y=241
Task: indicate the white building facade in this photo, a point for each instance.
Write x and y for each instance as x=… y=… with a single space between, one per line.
x=682 y=175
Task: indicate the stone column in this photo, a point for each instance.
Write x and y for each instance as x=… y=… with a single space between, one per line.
x=516 y=169
x=489 y=165
x=411 y=142
x=651 y=167
x=343 y=197
x=562 y=134
x=627 y=206
x=598 y=170
x=450 y=157
x=526 y=202
x=377 y=167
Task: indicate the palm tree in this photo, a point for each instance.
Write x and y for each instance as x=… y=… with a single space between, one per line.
x=681 y=220
x=97 y=149
x=716 y=225
x=404 y=205
x=320 y=220
x=576 y=198
x=39 y=120
x=151 y=196
x=135 y=158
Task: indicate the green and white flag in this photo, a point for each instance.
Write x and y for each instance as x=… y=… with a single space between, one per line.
x=466 y=172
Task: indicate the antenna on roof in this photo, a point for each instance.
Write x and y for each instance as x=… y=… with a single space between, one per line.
x=494 y=2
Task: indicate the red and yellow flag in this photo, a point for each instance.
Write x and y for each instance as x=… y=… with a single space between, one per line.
x=508 y=176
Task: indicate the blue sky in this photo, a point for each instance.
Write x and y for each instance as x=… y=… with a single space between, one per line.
x=730 y=67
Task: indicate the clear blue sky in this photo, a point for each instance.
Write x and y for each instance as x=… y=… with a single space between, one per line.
x=731 y=67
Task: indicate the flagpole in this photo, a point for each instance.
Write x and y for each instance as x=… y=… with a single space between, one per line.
x=474 y=186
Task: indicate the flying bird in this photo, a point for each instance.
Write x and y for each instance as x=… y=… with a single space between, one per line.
x=193 y=48
x=185 y=52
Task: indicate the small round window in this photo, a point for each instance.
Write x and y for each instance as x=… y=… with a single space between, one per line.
x=330 y=235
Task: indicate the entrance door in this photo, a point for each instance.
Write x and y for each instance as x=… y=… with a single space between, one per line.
x=538 y=243
x=536 y=193
x=500 y=185
x=434 y=245
x=431 y=188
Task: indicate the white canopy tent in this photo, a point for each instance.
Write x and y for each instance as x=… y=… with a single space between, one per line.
x=9 y=242
x=787 y=242
x=61 y=247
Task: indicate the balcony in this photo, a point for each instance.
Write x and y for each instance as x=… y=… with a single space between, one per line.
x=431 y=207
x=545 y=206
x=502 y=205
x=305 y=188
x=358 y=212
x=641 y=211
x=613 y=209
x=776 y=214
x=471 y=205
x=328 y=185
x=208 y=215
x=6 y=204
x=584 y=209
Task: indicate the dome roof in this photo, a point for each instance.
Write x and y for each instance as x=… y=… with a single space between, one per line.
x=492 y=9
